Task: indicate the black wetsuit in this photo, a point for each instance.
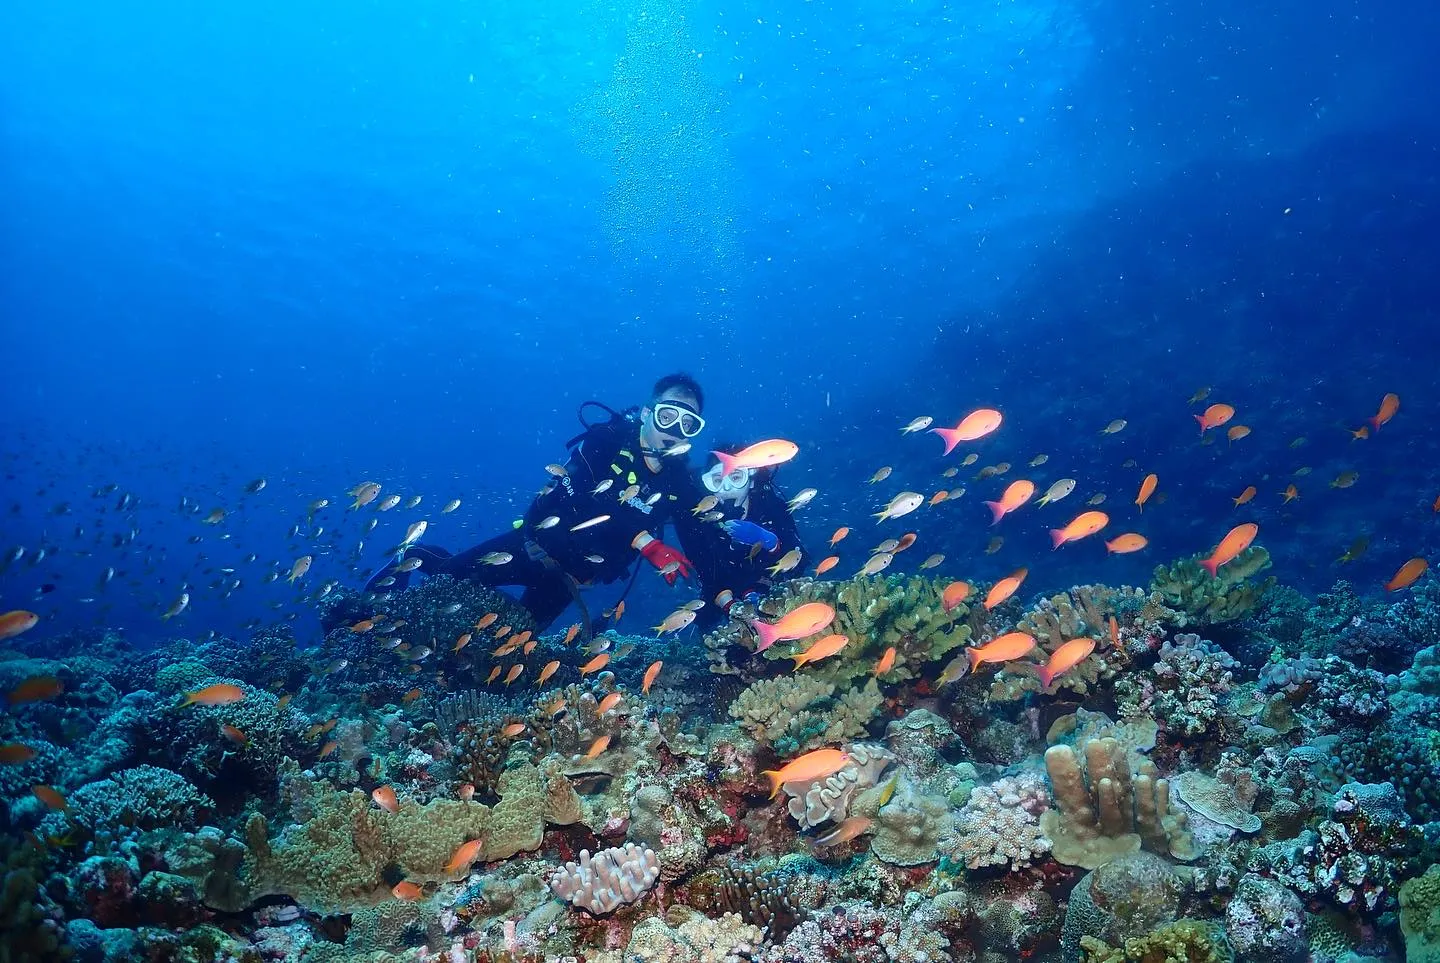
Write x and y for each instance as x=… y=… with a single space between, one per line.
x=545 y=561
x=722 y=563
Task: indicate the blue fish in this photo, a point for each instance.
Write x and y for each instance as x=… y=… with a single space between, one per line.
x=748 y=533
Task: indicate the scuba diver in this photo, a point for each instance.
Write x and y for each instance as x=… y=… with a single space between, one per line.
x=735 y=543
x=621 y=483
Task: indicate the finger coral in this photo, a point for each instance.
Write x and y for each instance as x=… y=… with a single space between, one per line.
x=610 y=879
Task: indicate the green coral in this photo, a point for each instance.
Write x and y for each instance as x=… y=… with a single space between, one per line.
x=874 y=613
x=1420 y=917
x=1185 y=941
x=349 y=851
x=797 y=712
x=1205 y=599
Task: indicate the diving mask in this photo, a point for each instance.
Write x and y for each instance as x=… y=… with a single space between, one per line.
x=670 y=415
x=727 y=484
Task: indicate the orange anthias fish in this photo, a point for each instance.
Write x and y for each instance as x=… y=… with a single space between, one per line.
x=570 y=634
x=954 y=594
x=1388 y=406
x=799 y=623
x=844 y=831
x=235 y=735
x=1147 y=488
x=466 y=792
x=885 y=663
x=1086 y=523
x=16 y=622
x=15 y=753
x=650 y=675
x=1215 y=416
x=1065 y=658
x=407 y=891
x=609 y=702
x=514 y=672
x=597 y=747
x=818 y=764
x=486 y=620
x=1016 y=494
x=461 y=642
x=36 y=689
x=386 y=799
x=904 y=542
x=595 y=665
x=840 y=533
x=1237 y=432
x=512 y=730
x=220 y=694
x=547 y=672
x=1011 y=645
x=1114 y=632
x=826 y=564
x=1127 y=543
x=464 y=855
x=1005 y=588
x=494 y=674
x=1245 y=496
x=1289 y=494
x=822 y=649
x=1235 y=541
x=975 y=425
x=763 y=454
x=1407 y=575
x=50 y=797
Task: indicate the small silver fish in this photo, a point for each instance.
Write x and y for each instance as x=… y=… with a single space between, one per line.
x=496 y=558
x=588 y=523
x=604 y=486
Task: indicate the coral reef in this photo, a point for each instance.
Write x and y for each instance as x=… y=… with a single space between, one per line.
x=374 y=798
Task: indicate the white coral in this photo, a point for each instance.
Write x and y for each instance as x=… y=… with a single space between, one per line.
x=609 y=879
x=813 y=802
x=1000 y=824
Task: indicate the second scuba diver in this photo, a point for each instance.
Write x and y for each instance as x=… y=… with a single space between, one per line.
x=621 y=468
x=737 y=541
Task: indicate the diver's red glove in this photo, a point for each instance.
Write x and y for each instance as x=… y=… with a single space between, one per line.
x=667 y=561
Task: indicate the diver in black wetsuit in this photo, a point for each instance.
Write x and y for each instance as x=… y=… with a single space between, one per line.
x=553 y=551
x=736 y=542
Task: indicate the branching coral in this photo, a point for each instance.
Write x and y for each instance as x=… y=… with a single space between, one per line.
x=1185 y=690
x=1000 y=824
x=1205 y=599
x=1082 y=612
x=1102 y=812
x=797 y=712
x=874 y=613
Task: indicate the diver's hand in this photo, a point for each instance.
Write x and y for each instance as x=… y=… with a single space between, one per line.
x=669 y=562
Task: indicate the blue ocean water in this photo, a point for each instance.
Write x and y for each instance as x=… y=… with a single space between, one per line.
x=404 y=242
